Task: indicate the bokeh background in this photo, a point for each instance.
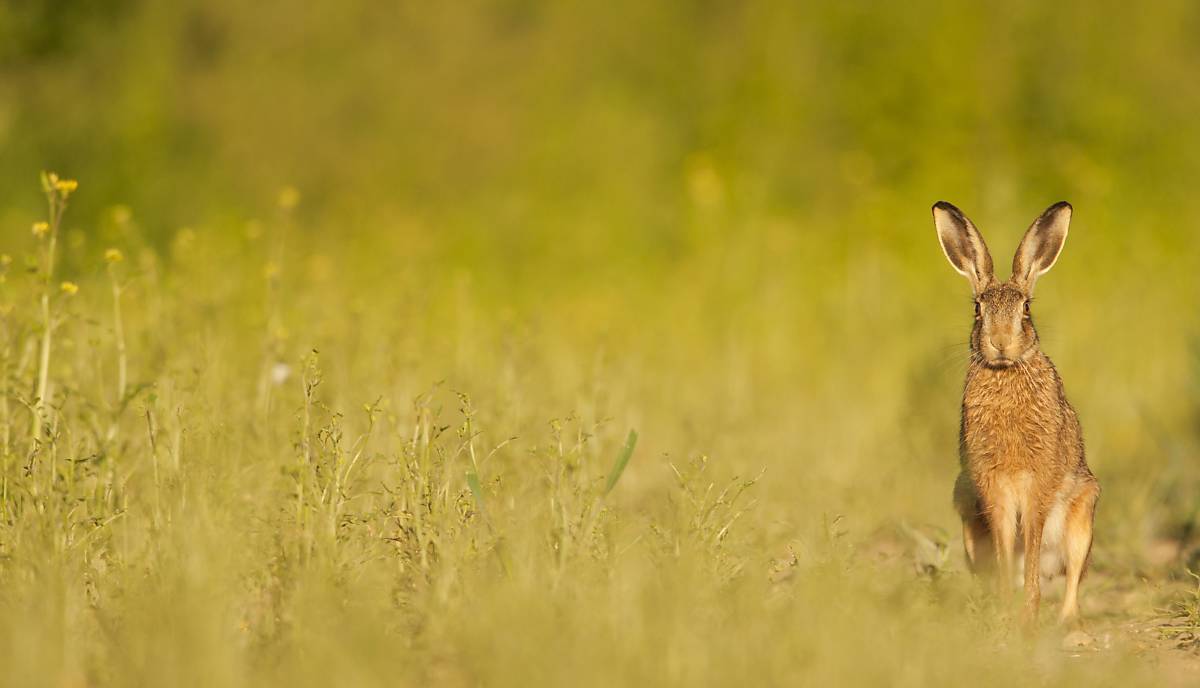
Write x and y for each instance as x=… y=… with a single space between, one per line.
x=705 y=221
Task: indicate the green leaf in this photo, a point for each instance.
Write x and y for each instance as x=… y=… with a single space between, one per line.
x=476 y=488
x=622 y=461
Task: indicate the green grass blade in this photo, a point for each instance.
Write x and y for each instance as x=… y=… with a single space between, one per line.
x=477 y=490
x=622 y=461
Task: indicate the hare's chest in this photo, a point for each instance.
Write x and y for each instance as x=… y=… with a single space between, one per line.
x=1008 y=434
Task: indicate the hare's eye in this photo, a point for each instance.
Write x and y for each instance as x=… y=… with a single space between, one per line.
x=978 y=309
x=1027 y=309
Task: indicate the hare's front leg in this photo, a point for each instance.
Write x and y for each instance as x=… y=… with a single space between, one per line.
x=1033 y=521
x=1077 y=544
x=1002 y=523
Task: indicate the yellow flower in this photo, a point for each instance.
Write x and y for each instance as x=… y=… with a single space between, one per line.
x=40 y=229
x=70 y=288
x=704 y=182
x=113 y=255
x=289 y=197
x=271 y=270
x=121 y=214
x=65 y=186
x=320 y=268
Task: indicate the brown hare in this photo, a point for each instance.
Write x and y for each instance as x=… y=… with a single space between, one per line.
x=1020 y=445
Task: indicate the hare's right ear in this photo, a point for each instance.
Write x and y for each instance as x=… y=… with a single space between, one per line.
x=963 y=245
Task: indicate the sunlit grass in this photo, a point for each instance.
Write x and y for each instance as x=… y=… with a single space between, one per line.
x=595 y=343
x=272 y=478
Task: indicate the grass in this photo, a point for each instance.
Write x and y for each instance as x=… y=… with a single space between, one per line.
x=198 y=491
x=511 y=343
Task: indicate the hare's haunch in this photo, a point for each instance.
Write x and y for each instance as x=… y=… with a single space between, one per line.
x=1020 y=445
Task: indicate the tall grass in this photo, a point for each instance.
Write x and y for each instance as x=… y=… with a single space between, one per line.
x=509 y=343
x=375 y=523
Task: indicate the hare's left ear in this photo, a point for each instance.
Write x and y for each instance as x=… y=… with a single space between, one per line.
x=1042 y=243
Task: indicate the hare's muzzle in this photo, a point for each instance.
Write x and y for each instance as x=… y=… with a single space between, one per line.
x=1001 y=352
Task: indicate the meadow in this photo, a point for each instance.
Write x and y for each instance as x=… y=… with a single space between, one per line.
x=510 y=343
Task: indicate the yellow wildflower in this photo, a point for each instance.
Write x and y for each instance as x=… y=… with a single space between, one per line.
x=113 y=255
x=65 y=186
x=704 y=182
x=271 y=270
x=70 y=288
x=289 y=197
x=184 y=239
x=40 y=229
x=320 y=268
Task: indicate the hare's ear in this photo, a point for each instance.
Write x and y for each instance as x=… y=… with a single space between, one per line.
x=963 y=245
x=1042 y=243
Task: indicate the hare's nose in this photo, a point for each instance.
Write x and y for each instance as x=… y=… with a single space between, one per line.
x=997 y=344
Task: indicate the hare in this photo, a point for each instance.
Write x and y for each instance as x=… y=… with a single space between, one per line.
x=1020 y=443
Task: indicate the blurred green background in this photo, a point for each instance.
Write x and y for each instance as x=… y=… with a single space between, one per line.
x=709 y=221
x=695 y=179
x=581 y=130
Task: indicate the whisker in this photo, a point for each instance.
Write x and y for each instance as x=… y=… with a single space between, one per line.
x=1026 y=372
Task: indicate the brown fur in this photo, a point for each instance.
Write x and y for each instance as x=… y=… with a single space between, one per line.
x=1021 y=447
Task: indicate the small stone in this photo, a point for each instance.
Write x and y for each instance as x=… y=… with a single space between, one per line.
x=1078 y=640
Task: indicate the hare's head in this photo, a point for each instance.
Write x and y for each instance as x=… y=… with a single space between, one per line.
x=1003 y=334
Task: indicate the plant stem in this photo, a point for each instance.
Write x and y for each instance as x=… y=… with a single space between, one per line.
x=119 y=332
x=43 y=379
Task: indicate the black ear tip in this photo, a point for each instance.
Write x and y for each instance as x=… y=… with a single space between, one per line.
x=948 y=207
x=1061 y=205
